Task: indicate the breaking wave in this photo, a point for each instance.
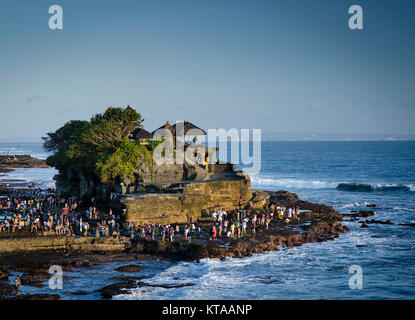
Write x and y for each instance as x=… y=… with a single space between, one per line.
x=318 y=184
x=292 y=183
x=362 y=187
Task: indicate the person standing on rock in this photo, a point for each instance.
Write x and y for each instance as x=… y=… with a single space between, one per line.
x=244 y=226
x=186 y=232
x=17 y=284
x=97 y=229
x=171 y=234
x=163 y=233
x=254 y=221
x=213 y=232
x=225 y=226
x=232 y=229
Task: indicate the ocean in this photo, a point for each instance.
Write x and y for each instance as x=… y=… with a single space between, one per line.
x=346 y=175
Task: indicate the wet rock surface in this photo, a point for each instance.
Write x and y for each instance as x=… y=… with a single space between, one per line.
x=36 y=297
x=79 y=293
x=359 y=214
x=130 y=268
x=111 y=290
x=34 y=279
x=4 y=273
x=317 y=223
x=6 y=288
x=34 y=270
x=126 y=279
x=377 y=221
x=21 y=161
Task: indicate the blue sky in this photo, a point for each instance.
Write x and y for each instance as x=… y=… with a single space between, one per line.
x=282 y=66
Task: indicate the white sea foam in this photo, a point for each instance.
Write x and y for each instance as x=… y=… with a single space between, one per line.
x=292 y=183
x=404 y=209
x=258 y=181
x=41 y=176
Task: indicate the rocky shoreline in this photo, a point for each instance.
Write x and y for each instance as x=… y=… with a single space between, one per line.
x=9 y=162
x=33 y=255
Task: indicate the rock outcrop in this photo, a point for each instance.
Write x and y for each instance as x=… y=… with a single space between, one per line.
x=184 y=202
x=60 y=244
x=21 y=161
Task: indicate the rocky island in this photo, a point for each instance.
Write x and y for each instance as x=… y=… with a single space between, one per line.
x=109 y=173
x=10 y=162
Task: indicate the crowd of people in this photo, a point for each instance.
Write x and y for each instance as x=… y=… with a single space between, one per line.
x=44 y=211
x=232 y=224
x=168 y=232
x=238 y=223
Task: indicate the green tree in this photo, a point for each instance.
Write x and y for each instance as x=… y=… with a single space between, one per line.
x=121 y=163
x=108 y=130
x=100 y=147
x=61 y=141
x=62 y=138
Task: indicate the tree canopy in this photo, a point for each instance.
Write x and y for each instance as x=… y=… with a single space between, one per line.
x=101 y=144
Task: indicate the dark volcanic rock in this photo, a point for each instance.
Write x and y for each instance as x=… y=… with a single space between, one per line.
x=34 y=279
x=282 y=195
x=378 y=221
x=31 y=268
x=79 y=293
x=130 y=268
x=125 y=279
x=82 y=264
x=6 y=288
x=407 y=224
x=111 y=290
x=364 y=225
x=37 y=297
x=165 y=286
x=21 y=161
x=360 y=214
x=4 y=273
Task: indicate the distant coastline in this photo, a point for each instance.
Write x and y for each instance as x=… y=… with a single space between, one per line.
x=271 y=138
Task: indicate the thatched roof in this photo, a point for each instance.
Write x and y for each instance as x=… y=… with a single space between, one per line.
x=167 y=126
x=140 y=133
x=185 y=127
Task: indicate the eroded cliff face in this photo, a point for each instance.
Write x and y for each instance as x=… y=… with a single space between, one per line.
x=187 y=203
x=82 y=183
x=163 y=193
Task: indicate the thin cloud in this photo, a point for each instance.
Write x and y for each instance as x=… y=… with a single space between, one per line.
x=36 y=99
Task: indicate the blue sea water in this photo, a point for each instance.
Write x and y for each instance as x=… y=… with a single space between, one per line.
x=385 y=174
x=43 y=177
